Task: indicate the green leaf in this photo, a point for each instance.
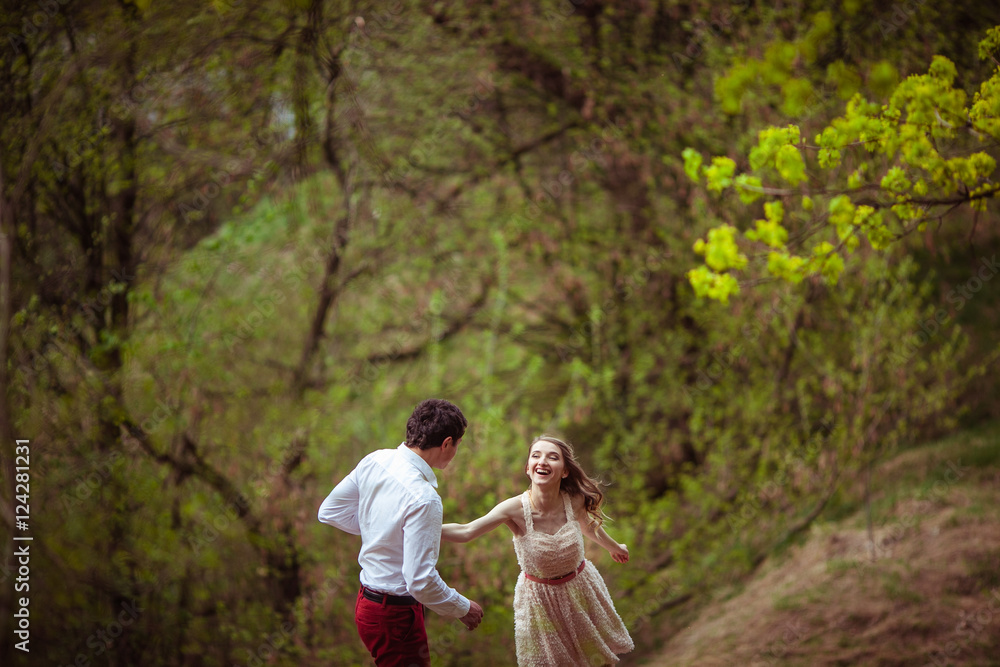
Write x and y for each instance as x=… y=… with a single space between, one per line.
x=785 y=266
x=748 y=188
x=774 y=211
x=712 y=285
x=692 y=164
x=790 y=164
x=822 y=249
x=721 y=252
x=832 y=268
x=895 y=181
x=770 y=231
x=989 y=46
x=720 y=174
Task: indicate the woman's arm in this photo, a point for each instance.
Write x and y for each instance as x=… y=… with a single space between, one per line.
x=619 y=552
x=463 y=532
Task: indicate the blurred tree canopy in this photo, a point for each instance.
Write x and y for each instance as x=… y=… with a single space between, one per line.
x=241 y=240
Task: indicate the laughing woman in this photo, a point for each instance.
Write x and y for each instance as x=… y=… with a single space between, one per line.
x=563 y=613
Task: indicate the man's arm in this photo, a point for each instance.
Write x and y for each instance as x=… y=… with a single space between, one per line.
x=421 y=545
x=340 y=509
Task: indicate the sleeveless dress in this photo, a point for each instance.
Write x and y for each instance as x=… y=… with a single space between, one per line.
x=570 y=624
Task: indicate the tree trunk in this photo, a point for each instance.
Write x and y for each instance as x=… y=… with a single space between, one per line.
x=328 y=293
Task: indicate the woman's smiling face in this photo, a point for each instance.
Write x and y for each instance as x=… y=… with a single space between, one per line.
x=545 y=463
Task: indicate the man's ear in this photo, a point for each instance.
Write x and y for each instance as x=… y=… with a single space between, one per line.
x=447 y=441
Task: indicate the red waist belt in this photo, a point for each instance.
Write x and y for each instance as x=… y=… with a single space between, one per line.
x=557 y=580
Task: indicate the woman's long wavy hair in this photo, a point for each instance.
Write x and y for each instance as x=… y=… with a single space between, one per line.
x=577 y=482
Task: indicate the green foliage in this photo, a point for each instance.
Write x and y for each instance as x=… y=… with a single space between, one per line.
x=916 y=181
x=769 y=231
x=721 y=253
x=692 y=163
x=489 y=201
x=719 y=175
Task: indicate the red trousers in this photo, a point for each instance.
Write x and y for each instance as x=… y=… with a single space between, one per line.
x=393 y=634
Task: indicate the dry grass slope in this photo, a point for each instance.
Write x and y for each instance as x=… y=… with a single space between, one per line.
x=928 y=595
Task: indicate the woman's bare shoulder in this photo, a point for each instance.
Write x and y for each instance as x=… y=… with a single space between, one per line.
x=576 y=500
x=510 y=507
x=512 y=513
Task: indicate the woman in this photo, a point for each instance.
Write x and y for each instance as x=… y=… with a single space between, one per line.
x=563 y=613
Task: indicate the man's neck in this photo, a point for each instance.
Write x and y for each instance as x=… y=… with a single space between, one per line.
x=430 y=456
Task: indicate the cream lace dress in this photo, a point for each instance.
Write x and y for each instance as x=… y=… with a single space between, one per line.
x=571 y=624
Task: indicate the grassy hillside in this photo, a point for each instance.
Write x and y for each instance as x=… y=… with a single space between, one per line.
x=928 y=595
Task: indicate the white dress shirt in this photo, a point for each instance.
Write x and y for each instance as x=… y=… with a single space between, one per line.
x=390 y=500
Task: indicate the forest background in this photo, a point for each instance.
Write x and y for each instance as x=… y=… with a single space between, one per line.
x=241 y=240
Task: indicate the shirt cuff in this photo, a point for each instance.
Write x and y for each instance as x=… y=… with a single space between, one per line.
x=464 y=605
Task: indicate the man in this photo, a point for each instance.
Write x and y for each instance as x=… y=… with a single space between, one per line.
x=390 y=500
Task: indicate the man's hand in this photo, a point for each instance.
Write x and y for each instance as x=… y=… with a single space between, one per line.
x=474 y=617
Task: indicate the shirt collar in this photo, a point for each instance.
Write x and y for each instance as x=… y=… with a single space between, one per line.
x=419 y=464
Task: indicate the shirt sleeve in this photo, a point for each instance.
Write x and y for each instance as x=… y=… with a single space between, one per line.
x=340 y=509
x=421 y=545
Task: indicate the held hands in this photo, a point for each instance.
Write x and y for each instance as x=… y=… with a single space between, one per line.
x=474 y=617
x=619 y=554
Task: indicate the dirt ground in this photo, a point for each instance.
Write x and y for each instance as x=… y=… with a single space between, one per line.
x=930 y=595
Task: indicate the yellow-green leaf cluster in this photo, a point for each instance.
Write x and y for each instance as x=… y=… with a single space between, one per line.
x=692 y=164
x=708 y=284
x=770 y=231
x=720 y=251
x=786 y=266
x=909 y=160
x=720 y=174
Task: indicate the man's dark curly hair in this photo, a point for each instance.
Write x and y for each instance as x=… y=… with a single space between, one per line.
x=432 y=421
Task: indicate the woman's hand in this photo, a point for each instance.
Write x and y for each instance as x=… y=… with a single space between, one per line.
x=620 y=553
